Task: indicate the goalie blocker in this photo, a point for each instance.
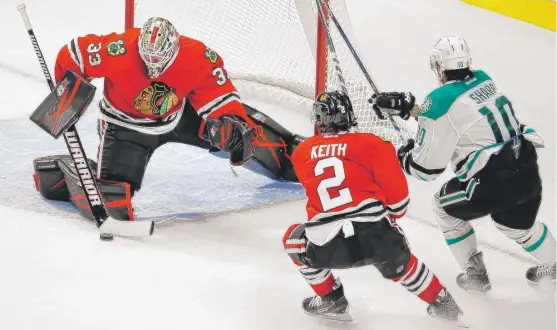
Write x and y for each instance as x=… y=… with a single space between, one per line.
x=64 y=105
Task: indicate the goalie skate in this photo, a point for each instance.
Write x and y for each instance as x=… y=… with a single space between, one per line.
x=333 y=306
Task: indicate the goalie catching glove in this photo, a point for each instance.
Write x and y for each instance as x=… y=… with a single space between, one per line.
x=261 y=146
x=393 y=103
x=230 y=134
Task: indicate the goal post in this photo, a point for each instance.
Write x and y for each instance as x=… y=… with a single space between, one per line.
x=273 y=50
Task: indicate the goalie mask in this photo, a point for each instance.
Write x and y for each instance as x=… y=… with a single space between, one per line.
x=158 y=43
x=333 y=112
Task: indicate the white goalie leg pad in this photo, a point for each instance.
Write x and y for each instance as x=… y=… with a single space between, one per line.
x=538 y=241
x=459 y=234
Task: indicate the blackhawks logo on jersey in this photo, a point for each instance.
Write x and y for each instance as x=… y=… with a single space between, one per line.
x=157 y=99
x=211 y=55
x=116 y=48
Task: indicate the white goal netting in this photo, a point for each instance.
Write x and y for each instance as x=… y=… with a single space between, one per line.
x=269 y=49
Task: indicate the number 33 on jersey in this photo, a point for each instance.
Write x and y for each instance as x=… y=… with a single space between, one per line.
x=352 y=175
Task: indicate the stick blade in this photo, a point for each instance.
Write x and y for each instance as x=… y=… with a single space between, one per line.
x=127 y=228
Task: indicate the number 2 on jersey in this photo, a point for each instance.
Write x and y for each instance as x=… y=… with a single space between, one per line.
x=344 y=196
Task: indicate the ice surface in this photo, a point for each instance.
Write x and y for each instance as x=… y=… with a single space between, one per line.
x=216 y=265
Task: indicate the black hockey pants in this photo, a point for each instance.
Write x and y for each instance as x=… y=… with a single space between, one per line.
x=125 y=153
x=508 y=189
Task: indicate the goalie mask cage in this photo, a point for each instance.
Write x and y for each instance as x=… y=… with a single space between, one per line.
x=274 y=50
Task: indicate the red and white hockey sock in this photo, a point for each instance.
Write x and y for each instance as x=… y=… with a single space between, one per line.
x=320 y=280
x=421 y=281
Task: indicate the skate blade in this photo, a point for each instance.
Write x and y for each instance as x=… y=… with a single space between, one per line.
x=451 y=322
x=460 y=322
x=544 y=280
x=481 y=292
x=544 y=284
x=344 y=317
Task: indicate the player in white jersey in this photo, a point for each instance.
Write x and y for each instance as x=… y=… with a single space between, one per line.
x=468 y=122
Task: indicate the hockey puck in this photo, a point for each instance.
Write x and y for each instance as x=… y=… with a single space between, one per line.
x=106 y=237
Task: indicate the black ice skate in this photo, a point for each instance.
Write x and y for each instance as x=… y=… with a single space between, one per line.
x=537 y=274
x=475 y=278
x=445 y=308
x=333 y=306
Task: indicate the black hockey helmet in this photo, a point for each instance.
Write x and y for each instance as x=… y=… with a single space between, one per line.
x=333 y=112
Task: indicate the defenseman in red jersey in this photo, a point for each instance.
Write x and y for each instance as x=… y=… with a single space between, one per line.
x=356 y=190
x=162 y=87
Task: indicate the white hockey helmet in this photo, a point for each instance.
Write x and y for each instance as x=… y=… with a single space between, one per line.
x=449 y=53
x=159 y=42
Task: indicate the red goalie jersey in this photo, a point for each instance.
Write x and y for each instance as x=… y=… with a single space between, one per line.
x=196 y=72
x=351 y=175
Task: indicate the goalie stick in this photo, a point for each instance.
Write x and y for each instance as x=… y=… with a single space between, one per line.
x=354 y=54
x=107 y=225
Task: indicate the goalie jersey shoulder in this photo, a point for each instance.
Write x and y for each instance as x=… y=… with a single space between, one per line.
x=95 y=55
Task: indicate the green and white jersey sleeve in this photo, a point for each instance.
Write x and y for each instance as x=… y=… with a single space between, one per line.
x=463 y=123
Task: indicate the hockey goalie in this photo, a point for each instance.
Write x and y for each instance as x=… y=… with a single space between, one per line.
x=159 y=87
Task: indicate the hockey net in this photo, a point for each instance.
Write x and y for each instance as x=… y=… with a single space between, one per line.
x=274 y=50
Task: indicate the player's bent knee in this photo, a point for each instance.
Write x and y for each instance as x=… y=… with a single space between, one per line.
x=536 y=240
x=392 y=261
x=288 y=232
x=520 y=235
x=395 y=267
x=295 y=242
x=435 y=203
x=446 y=221
x=375 y=244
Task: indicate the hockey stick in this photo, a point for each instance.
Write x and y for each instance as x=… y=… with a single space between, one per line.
x=358 y=61
x=330 y=44
x=107 y=225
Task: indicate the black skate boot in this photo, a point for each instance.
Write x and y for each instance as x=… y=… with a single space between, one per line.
x=536 y=274
x=475 y=277
x=333 y=306
x=445 y=307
